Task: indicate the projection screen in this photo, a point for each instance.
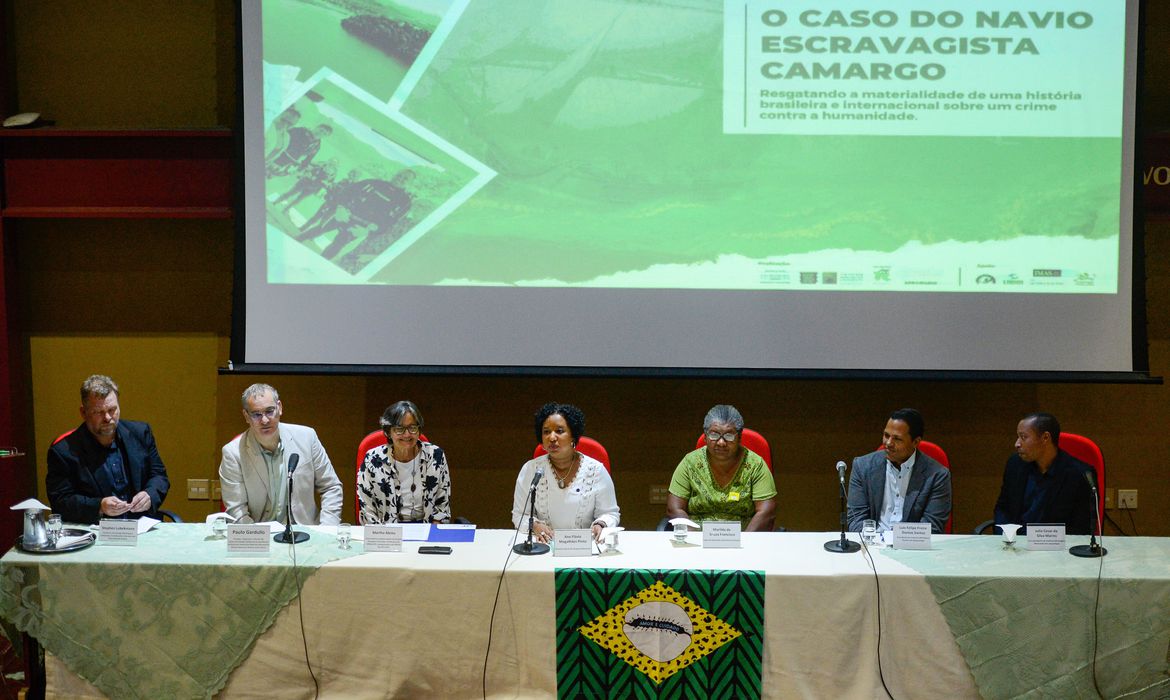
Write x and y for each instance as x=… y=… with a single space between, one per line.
x=789 y=185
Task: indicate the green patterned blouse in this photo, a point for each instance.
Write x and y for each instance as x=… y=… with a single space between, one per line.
x=693 y=481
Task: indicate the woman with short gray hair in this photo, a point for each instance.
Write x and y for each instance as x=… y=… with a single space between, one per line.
x=406 y=480
x=723 y=480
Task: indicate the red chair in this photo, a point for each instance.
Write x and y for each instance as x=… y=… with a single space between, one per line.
x=751 y=440
x=369 y=442
x=1087 y=451
x=586 y=446
x=939 y=455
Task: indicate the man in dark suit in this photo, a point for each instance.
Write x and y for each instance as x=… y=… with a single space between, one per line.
x=107 y=467
x=1042 y=483
x=898 y=483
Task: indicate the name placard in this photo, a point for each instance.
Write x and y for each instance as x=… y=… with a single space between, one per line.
x=572 y=543
x=911 y=536
x=721 y=534
x=123 y=533
x=253 y=539
x=383 y=538
x=1045 y=538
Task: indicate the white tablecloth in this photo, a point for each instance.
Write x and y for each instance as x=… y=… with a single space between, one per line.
x=413 y=625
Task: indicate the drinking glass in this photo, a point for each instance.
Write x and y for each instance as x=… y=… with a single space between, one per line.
x=869 y=532
x=680 y=533
x=219 y=528
x=343 y=536
x=55 y=526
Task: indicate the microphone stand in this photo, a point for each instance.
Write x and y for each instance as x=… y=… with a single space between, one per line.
x=530 y=548
x=842 y=545
x=1092 y=550
x=288 y=535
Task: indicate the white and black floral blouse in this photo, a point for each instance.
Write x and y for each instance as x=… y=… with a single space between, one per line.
x=380 y=493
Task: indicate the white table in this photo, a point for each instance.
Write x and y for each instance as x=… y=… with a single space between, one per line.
x=411 y=625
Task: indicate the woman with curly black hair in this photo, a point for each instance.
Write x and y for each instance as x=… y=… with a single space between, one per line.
x=576 y=491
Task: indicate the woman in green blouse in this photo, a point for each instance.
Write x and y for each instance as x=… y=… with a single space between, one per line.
x=723 y=480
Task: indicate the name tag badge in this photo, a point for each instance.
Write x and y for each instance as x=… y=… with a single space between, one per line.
x=721 y=534
x=572 y=543
x=382 y=538
x=115 y=531
x=251 y=539
x=911 y=536
x=733 y=496
x=1045 y=538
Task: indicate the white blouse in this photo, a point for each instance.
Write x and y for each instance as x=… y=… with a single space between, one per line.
x=589 y=500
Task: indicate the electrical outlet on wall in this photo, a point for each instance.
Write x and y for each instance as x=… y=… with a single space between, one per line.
x=197 y=489
x=1127 y=499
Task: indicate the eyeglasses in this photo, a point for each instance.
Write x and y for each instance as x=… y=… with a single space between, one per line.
x=404 y=429
x=257 y=416
x=713 y=437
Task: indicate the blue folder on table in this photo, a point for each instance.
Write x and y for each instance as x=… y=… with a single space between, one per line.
x=451 y=533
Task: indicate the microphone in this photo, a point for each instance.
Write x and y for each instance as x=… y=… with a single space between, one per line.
x=1092 y=549
x=289 y=536
x=842 y=545
x=1091 y=478
x=528 y=547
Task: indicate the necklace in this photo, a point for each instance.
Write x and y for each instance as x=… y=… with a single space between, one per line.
x=563 y=481
x=412 y=464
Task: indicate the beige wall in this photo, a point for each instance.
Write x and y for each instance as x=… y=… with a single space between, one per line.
x=149 y=301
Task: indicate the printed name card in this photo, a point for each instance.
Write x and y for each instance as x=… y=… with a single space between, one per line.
x=383 y=538
x=572 y=543
x=118 y=532
x=1043 y=537
x=251 y=539
x=911 y=536
x=720 y=534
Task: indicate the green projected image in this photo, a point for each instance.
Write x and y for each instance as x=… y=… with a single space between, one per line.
x=349 y=182
x=686 y=144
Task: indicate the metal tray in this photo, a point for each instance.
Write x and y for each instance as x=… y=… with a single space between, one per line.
x=65 y=532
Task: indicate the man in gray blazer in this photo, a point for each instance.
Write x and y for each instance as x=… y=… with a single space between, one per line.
x=253 y=473
x=898 y=483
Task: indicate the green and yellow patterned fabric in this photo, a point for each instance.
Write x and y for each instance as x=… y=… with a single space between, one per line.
x=659 y=634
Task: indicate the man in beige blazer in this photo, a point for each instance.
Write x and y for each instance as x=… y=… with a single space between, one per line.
x=253 y=473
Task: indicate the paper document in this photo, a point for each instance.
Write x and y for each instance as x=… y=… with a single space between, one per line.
x=416 y=532
x=145 y=524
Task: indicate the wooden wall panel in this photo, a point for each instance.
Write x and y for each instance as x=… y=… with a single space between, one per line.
x=125 y=286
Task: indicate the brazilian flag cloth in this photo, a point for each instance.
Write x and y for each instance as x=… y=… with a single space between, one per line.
x=670 y=633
